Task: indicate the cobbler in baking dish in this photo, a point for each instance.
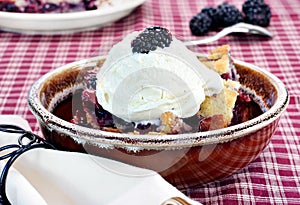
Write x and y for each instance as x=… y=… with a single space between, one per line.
x=50 y=6
x=127 y=94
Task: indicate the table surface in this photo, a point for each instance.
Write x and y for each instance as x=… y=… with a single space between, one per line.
x=274 y=177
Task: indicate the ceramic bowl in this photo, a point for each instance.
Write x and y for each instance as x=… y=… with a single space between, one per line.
x=184 y=160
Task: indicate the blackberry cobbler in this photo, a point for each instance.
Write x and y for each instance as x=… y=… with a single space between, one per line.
x=50 y=6
x=219 y=108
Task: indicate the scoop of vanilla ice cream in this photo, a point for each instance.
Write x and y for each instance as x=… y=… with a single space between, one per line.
x=140 y=87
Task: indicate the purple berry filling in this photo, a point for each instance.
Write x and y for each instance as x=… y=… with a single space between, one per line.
x=245 y=109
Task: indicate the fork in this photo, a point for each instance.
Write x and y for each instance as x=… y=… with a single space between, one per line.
x=237 y=28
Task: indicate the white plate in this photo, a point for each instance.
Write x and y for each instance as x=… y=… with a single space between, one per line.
x=67 y=22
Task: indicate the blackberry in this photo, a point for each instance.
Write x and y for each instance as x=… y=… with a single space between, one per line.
x=228 y=15
x=257 y=12
x=212 y=13
x=150 y=39
x=200 y=24
x=145 y=128
x=104 y=118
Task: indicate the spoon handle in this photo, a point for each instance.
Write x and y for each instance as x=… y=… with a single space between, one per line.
x=237 y=28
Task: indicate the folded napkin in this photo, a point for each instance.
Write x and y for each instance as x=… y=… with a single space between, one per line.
x=43 y=176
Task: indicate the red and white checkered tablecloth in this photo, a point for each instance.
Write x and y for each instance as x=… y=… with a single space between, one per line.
x=274 y=177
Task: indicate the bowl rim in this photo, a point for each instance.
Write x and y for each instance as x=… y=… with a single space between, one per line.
x=83 y=135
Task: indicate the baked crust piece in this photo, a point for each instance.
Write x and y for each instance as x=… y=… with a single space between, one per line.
x=218 y=60
x=171 y=124
x=223 y=103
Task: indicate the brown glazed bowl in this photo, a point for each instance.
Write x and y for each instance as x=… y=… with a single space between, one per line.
x=184 y=160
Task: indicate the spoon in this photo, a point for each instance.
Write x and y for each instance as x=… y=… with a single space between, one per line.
x=237 y=28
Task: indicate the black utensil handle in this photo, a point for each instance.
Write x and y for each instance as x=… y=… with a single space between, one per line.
x=27 y=141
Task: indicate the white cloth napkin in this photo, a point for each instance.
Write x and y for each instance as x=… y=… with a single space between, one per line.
x=54 y=177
